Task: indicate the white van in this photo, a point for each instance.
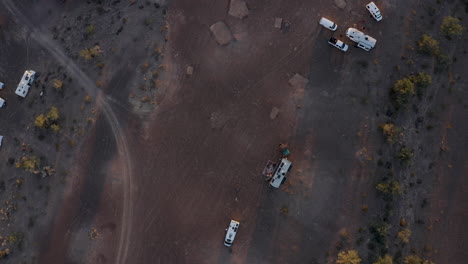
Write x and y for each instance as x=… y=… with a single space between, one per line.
x=374 y=10
x=231 y=232
x=363 y=41
x=328 y=24
x=280 y=173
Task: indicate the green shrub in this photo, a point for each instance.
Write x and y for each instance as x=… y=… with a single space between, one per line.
x=384 y=260
x=427 y=45
x=451 y=27
x=391 y=187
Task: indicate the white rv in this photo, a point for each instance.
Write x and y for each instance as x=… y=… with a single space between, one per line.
x=374 y=10
x=363 y=41
x=280 y=173
x=231 y=232
x=25 y=83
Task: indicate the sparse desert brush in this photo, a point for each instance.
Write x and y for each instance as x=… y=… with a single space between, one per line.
x=40 y=121
x=404 y=235
x=451 y=27
x=53 y=114
x=348 y=257
x=90 y=29
x=413 y=259
x=58 y=84
x=284 y=210
x=384 y=260
x=90 y=53
x=390 y=131
x=427 y=45
x=87 y=99
x=391 y=187
x=421 y=80
x=405 y=153
x=402 y=91
x=55 y=128
x=30 y=163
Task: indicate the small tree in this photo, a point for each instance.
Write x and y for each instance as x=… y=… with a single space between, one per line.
x=349 y=257
x=451 y=27
x=421 y=80
x=428 y=45
x=53 y=114
x=384 y=260
x=41 y=121
x=403 y=89
x=404 y=235
x=55 y=128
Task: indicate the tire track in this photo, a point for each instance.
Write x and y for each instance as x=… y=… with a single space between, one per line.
x=54 y=49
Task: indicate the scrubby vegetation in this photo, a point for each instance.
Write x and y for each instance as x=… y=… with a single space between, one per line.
x=348 y=257
x=451 y=27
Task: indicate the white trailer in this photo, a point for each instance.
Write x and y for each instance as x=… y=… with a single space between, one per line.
x=363 y=41
x=25 y=83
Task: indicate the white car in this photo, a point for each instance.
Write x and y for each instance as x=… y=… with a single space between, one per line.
x=1 y=140
x=231 y=232
x=374 y=10
x=338 y=44
x=1 y=85
x=2 y=102
x=328 y=24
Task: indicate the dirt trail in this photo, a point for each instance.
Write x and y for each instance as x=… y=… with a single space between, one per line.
x=54 y=49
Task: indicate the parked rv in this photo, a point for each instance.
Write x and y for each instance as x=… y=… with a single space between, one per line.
x=25 y=83
x=374 y=10
x=363 y=41
x=231 y=232
x=279 y=176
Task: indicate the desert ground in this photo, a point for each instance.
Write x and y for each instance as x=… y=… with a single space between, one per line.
x=164 y=132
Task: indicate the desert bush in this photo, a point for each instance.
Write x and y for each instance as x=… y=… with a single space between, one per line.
x=390 y=131
x=348 y=257
x=87 y=99
x=404 y=235
x=403 y=90
x=41 y=121
x=90 y=29
x=427 y=45
x=55 y=128
x=443 y=63
x=90 y=53
x=421 y=80
x=58 y=84
x=451 y=27
x=413 y=259
x=30 y=163
x=390 y=187
x=53 y=114
x=380 y=231
x=384 y=260
x=405 y=153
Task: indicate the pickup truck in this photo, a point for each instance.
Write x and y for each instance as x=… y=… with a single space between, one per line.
x=338 y=44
